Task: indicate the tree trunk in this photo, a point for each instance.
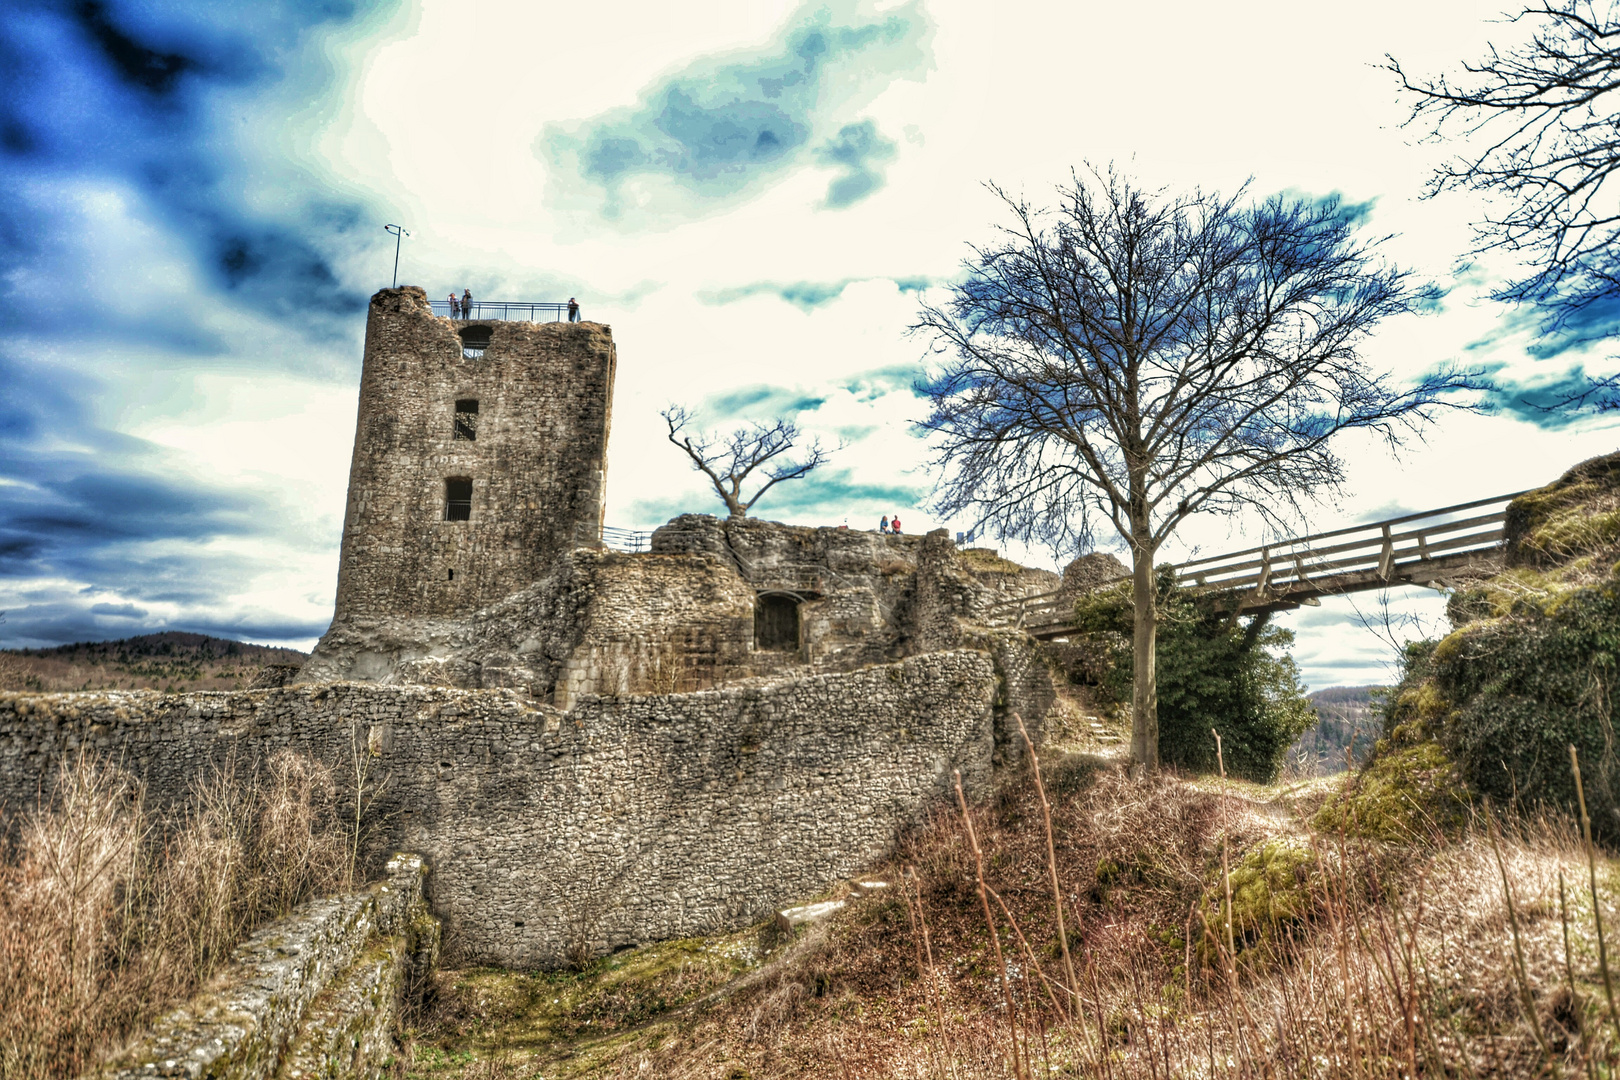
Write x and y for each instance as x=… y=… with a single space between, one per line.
x=1145 y=643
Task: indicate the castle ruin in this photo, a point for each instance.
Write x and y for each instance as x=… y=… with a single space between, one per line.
x=591 y=748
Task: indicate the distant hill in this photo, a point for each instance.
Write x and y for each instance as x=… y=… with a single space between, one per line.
x=169 y=661
x=1348 y=718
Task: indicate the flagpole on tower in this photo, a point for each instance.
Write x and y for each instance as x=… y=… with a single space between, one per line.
x=399 y=232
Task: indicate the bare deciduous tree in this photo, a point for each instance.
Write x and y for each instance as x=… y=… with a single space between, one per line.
x=729 y=459
x=1541 y=138
x=1136 y=358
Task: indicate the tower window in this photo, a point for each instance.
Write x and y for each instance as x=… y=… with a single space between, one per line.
x=458 y=499
x=466 y=426
x=474 y=340
x=776 y=623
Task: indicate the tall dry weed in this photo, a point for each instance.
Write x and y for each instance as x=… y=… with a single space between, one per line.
x=1353 y=959
x=110 y=911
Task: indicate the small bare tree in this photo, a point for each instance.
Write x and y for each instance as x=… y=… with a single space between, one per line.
x=1137 y=358
x=729 y=459
x=1540 y=137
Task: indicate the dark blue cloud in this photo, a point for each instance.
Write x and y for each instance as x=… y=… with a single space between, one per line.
x=124 y=96
x=1352 y=213
x=1552 y=401
x=859 y=150
x=118 y=611
x=142 y=221
x=1541 y=338
x=63 y=619
x=801 y=294
x=720 y=129
x=83 y=503
x=869 y=385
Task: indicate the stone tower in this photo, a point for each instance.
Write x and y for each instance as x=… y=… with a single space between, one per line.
x=479 y=457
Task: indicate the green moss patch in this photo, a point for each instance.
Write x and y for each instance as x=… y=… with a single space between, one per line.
x=1273 y=892
x=988 y=561
x=1404 y=795
x=1579 y=512
x=571 y=1023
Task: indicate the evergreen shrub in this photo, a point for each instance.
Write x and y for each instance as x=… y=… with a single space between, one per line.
x=1213 y=672
x=1524 y=688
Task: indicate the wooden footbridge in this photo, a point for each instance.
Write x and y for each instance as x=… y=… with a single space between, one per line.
x=1436 y=549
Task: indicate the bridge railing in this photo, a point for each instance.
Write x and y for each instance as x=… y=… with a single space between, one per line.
x=1371 y=553
x=1376 y=548
x=507 y=310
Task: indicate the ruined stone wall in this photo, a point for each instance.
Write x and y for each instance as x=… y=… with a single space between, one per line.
x=536 y=465
x=602 y=622
x=316 y=994
x=796 y=558
x=659 y=624
x=553 y=833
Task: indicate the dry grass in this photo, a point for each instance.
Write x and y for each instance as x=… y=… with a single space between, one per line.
x=1353 y=959
x=109 y=911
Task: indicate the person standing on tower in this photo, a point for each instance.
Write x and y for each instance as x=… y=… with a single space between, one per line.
x=466 y=303
x=573 y=310
x=455 y=305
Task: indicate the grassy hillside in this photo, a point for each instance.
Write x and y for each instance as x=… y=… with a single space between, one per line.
x=169 y=661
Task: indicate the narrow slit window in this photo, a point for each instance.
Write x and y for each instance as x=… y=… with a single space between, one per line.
x=466 y=426
x=458 y=499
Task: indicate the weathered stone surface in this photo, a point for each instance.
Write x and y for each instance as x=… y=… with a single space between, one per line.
x=620 y=821
x=274 y=675
x=682 y=617
x=543 y=393
x=600 y=622
x=1091 y=570
x=325 y=981
x=348 y=1031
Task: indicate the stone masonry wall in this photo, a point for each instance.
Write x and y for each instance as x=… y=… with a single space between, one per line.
x=554 y=834
x=314 y=995
x=536 y=465
x=601 y=622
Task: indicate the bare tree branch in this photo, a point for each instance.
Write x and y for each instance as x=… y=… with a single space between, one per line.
x=1539 y=127
x=1132 y=358
x=729 y=459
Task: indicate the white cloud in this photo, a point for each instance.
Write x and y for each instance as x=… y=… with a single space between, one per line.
x=433 y=113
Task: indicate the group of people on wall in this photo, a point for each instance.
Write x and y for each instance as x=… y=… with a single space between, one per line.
x=890 y=526
x=461 y=307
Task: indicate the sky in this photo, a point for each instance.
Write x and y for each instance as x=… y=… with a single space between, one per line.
x=755 y=195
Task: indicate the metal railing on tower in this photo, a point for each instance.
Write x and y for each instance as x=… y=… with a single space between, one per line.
x=508 y=310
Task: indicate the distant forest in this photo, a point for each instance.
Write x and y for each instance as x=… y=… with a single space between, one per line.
x=1348 y=721
x=172 y=661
